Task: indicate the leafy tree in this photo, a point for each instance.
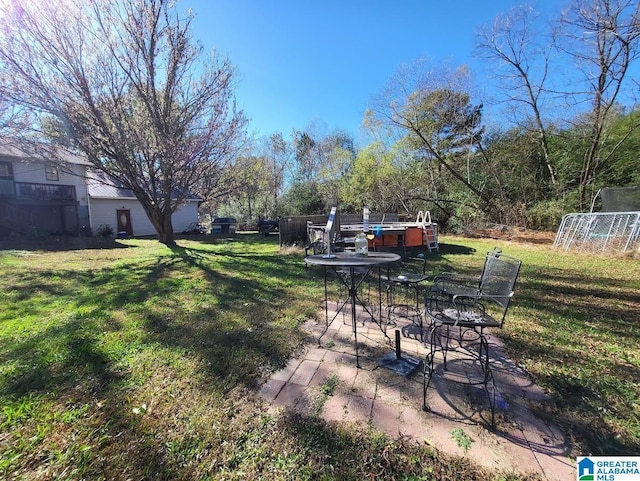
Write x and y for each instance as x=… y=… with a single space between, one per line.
x=386 y=179
x=438 y=118
x=321 y=160
x=619 y=147
x=514 y=171
x=131 y=90
x=251 y=175
x=303 y=198
x=624 y=141
x=337 y=153
x=364 y=184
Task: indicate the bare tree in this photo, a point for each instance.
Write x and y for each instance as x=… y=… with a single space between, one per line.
x=277 y=151
x=129 y=88
x=602 y=37
x=524 y=63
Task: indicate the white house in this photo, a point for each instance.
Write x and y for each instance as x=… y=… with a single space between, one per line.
x=116 y=207
x=38 y=197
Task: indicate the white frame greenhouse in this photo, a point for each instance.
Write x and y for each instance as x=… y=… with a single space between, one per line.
x=599 y=231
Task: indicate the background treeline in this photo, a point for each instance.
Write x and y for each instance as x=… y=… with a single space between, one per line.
x=507 y=169
x=561 y=123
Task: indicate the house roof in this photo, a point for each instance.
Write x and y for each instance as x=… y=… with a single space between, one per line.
x=38 y=152
x=101 y=186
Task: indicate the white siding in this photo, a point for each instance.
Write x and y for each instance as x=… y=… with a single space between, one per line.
x=81 y=184
x=33 y=171
x=185 y=216
x=103 y=212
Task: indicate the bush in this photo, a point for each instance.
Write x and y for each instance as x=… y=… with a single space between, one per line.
x=105 y=230
x=546 y=215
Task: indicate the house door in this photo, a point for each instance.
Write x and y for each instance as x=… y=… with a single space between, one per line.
x=124 y=221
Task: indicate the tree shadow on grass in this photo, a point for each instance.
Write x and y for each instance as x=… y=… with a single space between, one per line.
x=455 y=249
x=232 y=322
x=151 y=302
x=55 y=359
x=579 y=334
x=60 y=244
x=350 y=452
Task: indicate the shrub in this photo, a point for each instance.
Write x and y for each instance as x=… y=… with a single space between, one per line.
x=105 y=230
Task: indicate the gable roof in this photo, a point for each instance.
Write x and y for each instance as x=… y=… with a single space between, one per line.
x=99 y=185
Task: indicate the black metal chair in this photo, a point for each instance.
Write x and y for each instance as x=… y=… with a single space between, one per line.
x=459 y=321
x=452 y=283
x=404 y=288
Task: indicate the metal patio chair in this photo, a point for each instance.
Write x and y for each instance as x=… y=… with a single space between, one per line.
x=404 y=288
x=459 y=322
x=452 y=283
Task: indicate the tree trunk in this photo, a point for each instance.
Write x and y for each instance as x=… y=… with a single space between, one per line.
x=161 y=221
x=166 y=236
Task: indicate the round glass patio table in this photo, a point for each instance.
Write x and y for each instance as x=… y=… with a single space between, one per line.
x=348 y=262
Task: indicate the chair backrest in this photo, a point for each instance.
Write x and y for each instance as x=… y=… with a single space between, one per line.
x=499 y=279
x=486 y=268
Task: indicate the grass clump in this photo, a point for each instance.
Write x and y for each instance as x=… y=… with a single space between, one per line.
x=327 y=388
x=462 y=439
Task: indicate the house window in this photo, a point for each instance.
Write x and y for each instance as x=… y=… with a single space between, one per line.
x=51 y=172
x=5 y=171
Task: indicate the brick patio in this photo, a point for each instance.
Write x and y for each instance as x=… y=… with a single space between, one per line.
x=392 y=402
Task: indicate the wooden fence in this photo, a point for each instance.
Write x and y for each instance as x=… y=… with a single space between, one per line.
x=293 y=230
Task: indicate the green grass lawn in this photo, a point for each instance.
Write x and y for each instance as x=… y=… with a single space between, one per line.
x=136 y=361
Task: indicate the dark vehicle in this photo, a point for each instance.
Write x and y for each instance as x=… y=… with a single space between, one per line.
x=268 y=225
x=224 y=225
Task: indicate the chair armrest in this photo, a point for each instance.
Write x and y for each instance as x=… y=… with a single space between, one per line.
x=468 y=302
x=480 y=299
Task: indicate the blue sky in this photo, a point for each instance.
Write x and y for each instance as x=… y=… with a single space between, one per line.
x=300 y=62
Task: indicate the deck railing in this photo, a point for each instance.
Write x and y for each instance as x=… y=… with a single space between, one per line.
x=45 y=192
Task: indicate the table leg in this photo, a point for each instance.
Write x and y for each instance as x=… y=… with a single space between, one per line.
x=353 y=285
x=326 y=301
x=352 y=294
x=326 y=305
